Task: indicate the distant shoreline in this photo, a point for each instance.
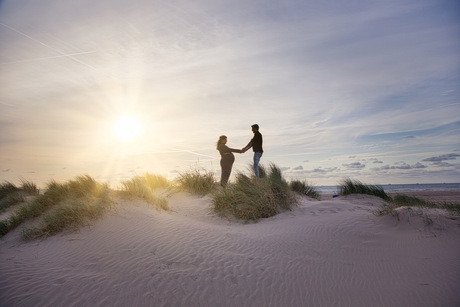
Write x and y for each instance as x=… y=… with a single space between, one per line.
x=390 y=188
x=438 y=196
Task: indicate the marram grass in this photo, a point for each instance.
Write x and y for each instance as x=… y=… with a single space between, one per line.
x=11 y=195
x=82 y=189
x=409 y=201
x=303 y=188
x=144 y=186
x=197 y=181
x=69 y=215
x=350 y=186
x=251 y=198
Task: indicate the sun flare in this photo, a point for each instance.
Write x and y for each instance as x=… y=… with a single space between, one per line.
x=126 y=128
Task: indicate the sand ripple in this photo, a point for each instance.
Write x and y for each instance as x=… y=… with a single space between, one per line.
x=323 y=253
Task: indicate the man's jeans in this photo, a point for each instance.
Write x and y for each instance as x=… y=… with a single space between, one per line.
x=257 y=156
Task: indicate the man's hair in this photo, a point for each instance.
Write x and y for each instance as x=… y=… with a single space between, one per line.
x=255 y=126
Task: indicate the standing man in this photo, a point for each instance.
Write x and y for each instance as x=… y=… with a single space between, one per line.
x=256 y=144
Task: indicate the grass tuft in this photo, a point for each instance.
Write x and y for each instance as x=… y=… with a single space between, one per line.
x=11 y=195
x=303 y=188
x=410 y=201
x=144 y=186
x=11 y=200
x=251 y=198
x=197 y=181
x=29 y=187
x=350 y=186
x=67 y=216
x=7 y=188
x=82 y=189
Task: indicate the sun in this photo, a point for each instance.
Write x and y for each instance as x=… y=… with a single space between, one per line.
x=126 y=128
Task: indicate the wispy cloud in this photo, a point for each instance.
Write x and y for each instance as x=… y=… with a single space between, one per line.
x=451 y=156
x=329 y=83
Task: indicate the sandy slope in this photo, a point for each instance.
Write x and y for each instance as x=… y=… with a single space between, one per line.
x=324 y=253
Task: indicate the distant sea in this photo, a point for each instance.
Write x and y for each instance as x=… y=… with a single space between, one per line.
x=402 y=187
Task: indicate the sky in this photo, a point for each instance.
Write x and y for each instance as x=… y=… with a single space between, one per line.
x=367 y=90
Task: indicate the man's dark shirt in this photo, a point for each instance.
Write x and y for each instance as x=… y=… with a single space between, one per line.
x=257 y=142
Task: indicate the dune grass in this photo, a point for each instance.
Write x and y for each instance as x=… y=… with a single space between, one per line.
x=251 y=198
x=52 y=205
x=197 y=181
x=400 y=200
x=144 y=186
x=11 y=195
x=69 y=215
x=303 y=188
x=7 y=188
x=351 y=186
x=29 y=187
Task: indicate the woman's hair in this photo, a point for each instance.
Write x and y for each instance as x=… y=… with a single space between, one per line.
x=221 y=138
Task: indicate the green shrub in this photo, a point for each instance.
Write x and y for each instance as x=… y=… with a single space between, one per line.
x=200 y=182
x=350 y=186
x=252 y=198
x=303 y=188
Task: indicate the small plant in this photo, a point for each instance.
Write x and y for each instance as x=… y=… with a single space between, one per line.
x=200 y=182
x=404 y=200
x=350 y=186
x=69 y=215
x=83 y=188
x=144 y=186
x=280 y=187
x=303 y=188
x=246 y=199
x=29 y=187
x=7 y=188
x=453 y=208
x=409 y=201
x=11 y=195
x=262 y=170
x=251 y=198
x=4 y=228
x=11 y=200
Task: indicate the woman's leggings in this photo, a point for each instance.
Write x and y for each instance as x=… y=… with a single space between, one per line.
x=226 y=164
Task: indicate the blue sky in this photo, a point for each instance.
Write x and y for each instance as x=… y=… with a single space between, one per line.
x=360 y=89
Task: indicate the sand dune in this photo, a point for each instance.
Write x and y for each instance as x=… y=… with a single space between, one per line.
x=333 y=252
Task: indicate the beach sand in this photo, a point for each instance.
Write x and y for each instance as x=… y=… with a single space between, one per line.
x=333 y=252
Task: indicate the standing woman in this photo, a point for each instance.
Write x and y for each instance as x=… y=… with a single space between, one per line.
x=227 y=159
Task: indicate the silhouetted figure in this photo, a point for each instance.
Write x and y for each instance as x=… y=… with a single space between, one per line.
x=256 y=144
x=227 y=159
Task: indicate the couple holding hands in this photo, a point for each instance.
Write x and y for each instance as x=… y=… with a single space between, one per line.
x=227 y=157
